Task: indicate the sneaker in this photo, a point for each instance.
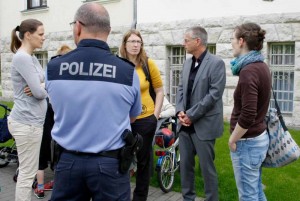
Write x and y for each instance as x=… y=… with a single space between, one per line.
x=49 y=186
x=39 y=193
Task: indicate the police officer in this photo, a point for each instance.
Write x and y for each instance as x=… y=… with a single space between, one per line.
x=95 y=96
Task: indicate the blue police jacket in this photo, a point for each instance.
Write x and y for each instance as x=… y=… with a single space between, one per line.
x=93 y=94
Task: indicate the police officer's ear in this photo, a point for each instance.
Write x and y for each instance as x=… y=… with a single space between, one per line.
x=78 y=27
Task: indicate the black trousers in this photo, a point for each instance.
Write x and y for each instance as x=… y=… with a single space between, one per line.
x=45 y=151
x=146 y=128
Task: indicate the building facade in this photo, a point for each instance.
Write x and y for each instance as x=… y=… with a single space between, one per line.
x=162 y=24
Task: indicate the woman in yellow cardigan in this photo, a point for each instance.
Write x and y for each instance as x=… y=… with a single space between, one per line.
x=132 y=49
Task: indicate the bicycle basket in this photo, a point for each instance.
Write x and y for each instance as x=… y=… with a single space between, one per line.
x=164 y=138
x=4 y=133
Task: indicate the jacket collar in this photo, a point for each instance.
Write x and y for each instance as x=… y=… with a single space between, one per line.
x=93 y=43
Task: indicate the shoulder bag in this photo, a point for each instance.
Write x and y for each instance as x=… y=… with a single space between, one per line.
x=282 y=148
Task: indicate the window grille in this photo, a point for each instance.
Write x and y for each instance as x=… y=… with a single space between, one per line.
x=42 y=58
x=36 y=4
x=211 y=48
x=282 y=64
x=176 y=58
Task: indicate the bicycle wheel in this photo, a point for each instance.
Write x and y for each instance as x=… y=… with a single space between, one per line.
x=3 y=162
x=165 y=175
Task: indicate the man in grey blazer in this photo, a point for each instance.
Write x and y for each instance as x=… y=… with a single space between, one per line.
x=199 y=108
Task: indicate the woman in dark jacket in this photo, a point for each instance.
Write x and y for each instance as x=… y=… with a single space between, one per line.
x=249 y=140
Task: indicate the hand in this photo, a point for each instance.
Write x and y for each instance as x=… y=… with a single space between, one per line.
x=232 y=146
x=27 y=91
x=187 y=120
x=180 y=116
x=184 y=119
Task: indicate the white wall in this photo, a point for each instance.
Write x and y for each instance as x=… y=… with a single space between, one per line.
x=174 y=10
x=59 y=14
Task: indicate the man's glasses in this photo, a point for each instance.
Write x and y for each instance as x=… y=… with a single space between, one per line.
x=72 y=23
x=135 y=42
x=188 y=40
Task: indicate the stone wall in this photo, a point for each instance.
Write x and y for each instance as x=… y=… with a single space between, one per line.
x=158 y=36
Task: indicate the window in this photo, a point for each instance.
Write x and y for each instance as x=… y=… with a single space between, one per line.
x=31 y=4
x=211 y=48
x=282 y=64
x=42 y=58
x=115 y=51
x=176 y=59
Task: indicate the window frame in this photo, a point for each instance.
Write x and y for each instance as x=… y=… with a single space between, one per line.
x=42 y=57
x=175 y=69
x=283 y=75
x=42 y=4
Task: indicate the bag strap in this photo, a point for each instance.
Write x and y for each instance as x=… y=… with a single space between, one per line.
x=278 y=111
x=147 y=72
x=148 y=78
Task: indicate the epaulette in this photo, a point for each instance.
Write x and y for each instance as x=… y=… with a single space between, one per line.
x=126 y=60
x=55 y=56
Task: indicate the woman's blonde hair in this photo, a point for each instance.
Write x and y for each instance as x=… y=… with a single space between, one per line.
x=64 y=49
x=141 y=57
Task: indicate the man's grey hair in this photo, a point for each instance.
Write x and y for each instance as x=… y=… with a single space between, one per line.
x=95 y=20
x=198 y=32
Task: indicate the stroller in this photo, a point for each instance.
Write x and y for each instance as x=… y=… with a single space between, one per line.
x=8 y=151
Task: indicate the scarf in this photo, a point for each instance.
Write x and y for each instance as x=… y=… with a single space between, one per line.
x=240 y=62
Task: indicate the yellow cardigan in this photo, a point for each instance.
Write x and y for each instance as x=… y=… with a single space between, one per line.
x=147 y=102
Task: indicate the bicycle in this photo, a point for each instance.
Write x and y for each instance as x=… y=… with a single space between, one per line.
x=168 y=155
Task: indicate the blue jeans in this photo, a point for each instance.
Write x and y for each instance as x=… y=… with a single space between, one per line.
x=82 y=177
x=246 y=162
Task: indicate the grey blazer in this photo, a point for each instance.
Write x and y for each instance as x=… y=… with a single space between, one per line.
x=206 y=110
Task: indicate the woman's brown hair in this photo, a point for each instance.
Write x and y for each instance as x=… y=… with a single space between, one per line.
x=29 y=25
x=252 y=34
x=142 y=56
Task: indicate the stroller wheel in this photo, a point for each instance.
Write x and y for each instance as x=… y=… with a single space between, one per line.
x=34 y=184
x=3 y=153
x=15 y=178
